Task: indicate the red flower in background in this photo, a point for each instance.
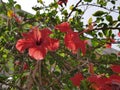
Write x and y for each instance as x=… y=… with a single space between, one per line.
x=60 y=2
x=64 y=27
x=99 y=82
x=76 y=79
x=115 y=68
x=104 y=83
x=118 y=54
x=108 y=45
x=118 y=34
x=25 y=66
x=73 y=42
x=37 y=42
x=17 y=63
x=115 y=82
x=112 y=40
x=17 y=18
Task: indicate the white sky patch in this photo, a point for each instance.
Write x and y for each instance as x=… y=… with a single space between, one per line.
x=28 y=4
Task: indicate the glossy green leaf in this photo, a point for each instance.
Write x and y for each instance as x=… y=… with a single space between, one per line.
x=94 y=42
x=90 y=20
x=87 y=0
x=17 y=6
x=119 y=18
x=109 y=18
x=99 y=13
x=100 y=34
x=113 y=1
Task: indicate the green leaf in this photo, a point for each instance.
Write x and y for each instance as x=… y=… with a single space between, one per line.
x=110 y=33
x=40 y=1
x=90 y=20
x=102 y=2
x=106 y=32
x=53 y=5
x=119 y=18
x=3 y=77
x=99 y=13
x=94 y=42
x=100 y=34
x=109 y=18
x=71 y=7
x=17 y=6
x=65 y=12
x=113 y=2
x=87 y=0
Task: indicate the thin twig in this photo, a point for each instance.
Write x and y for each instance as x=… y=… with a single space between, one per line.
x=102 y=28
x=40 y=76
x=73 y=9
x=99 y=7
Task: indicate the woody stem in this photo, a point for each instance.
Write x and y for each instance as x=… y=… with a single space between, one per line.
x=40 y=76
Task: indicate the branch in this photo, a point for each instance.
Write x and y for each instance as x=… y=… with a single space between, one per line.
x=73 y=9
x=102 y=28
x=113 y=28
x=99 y=7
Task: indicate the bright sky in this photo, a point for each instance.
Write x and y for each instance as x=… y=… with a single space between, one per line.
x=28 y=4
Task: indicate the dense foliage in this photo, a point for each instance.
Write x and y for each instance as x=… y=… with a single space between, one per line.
x=60 y=49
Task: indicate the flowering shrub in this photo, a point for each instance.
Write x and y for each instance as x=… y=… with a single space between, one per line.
x=60 y=49
x=100 y=82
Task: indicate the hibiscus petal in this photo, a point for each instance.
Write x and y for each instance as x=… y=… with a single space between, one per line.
x=37 y=53
x=27 y=35
x=115 y=68
x=73 y=42
x=63 y=27
x=45 y=32
x=69 y=43
x=62 y=1
x=53 y=44
x=118 y=34
x=34 y=34
x=115 y=79
x=23 y=44
x=82 y=46
x=76 y=79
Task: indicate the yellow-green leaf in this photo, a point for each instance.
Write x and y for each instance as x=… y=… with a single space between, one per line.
x=90 y=20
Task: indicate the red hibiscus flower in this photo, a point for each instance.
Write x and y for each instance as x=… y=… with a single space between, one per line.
x=37 y=42
x=64 y=27
x=115 y=68
x=112 y=40
x=108 y=45
x=103 y=83
x=60 y=2
x=99 y=83
x=76 y=80
x=73 y=42
x=17 y=18
x=113 y=83
x=25 y=66
x=118 y=34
